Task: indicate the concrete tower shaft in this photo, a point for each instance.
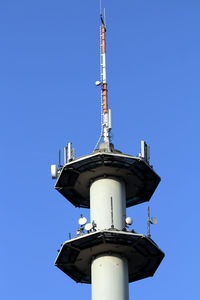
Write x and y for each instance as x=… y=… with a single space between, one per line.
x=108 y=211
x=110 y=277
x=108 y=203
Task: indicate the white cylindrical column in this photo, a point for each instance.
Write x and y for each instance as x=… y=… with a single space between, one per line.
x=109 y=278
x=108 y=203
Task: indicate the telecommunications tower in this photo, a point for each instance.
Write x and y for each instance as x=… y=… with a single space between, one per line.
x=106 y=252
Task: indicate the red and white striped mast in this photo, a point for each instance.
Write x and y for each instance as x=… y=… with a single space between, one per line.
x=106 y=113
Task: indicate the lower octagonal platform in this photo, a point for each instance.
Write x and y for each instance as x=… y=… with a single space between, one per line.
x=143 y=255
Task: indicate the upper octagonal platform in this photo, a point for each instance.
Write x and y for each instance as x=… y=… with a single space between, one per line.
x=76 y=177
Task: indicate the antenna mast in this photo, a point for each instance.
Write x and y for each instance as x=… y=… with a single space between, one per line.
x=104 y=91
x=106 y=118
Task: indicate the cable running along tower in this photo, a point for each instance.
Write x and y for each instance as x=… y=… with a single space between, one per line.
x=106 y=252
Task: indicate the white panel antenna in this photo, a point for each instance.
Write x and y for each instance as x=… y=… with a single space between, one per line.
x=69 y=153
x=54 y=171
x=145 y=152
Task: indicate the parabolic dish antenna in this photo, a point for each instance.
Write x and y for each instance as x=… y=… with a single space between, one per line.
x=82 y=221
x=129 y=221
x=88 y=227
x=153 y=221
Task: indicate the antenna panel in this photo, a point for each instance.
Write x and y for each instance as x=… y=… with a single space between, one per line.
x=145 y=151
x=54 y=171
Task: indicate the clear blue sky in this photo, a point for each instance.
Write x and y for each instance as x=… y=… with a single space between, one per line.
x=49 y=61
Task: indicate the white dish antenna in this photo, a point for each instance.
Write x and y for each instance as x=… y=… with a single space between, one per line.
x=153 y=221
x=98 y=83
x=88 y=227
x=82 y=221
x=129 y=221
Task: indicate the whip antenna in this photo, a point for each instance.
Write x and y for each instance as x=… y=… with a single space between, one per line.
x=100 y=5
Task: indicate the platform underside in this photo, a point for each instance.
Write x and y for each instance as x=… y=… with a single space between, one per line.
x=142 y=253
x=76 y=177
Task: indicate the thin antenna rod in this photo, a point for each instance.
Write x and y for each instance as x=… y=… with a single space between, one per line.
x=149 y=234
x=59 y=163
x=112 y=222
x=100 y=7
